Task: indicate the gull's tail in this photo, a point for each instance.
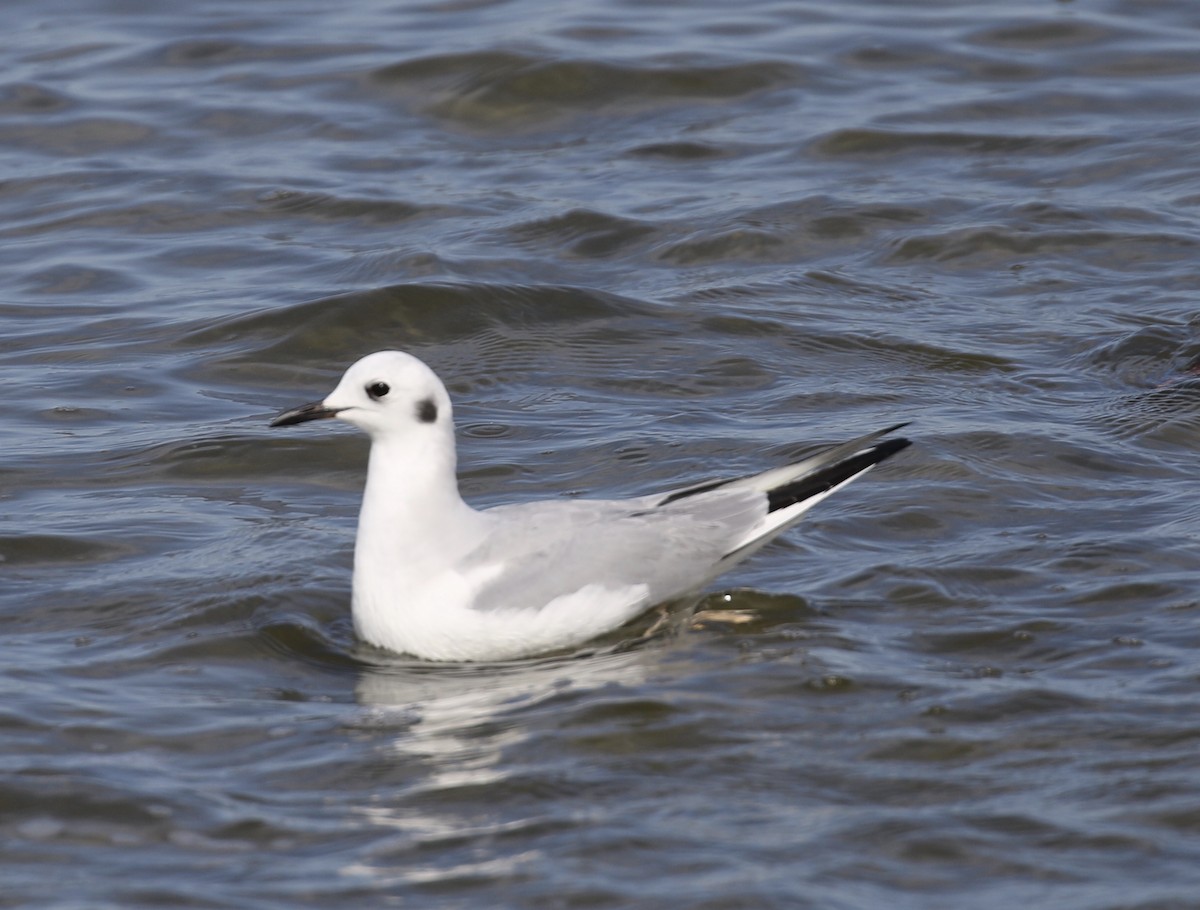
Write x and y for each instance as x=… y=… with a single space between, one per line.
x=794 y=489
x=808 y=482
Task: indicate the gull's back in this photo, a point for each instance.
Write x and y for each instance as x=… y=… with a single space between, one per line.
x=547 y=550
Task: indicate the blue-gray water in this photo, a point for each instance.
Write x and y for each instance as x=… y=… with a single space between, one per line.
x=645 y=243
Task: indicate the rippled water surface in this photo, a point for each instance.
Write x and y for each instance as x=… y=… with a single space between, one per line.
x=645 y=243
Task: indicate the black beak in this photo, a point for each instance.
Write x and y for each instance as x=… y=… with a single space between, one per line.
x=314 y=410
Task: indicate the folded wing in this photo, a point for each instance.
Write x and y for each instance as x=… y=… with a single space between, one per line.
x=671 y=543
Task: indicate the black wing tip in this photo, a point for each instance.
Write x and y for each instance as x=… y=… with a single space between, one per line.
x=890 y=447
x=836 y=474
x=881 y=450
x=886 y=448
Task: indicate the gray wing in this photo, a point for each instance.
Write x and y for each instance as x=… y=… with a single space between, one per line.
x=671 y=542
x=549 y=549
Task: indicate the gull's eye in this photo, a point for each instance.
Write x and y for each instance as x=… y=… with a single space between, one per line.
x=377 y=390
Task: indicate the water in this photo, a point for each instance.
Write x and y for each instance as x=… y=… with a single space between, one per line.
x=644 y=244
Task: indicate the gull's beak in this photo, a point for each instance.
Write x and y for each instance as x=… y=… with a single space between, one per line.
x=314 y=410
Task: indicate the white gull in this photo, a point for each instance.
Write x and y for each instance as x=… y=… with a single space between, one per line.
x=440 y=580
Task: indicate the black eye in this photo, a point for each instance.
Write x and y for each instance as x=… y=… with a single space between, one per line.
x=377 y=390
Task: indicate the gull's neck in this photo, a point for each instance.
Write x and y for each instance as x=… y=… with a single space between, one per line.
x=412 y=513
x=412 y=530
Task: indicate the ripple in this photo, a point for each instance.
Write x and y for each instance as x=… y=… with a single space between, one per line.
x=493 y=90
x=1035 y=34
x=295 y=637
x=679 y=151
x=863 y=142
x=584 y=233
x=32 y=98
x=973 y=247
x=79 y=136
x=40 y=549
x=328 y=207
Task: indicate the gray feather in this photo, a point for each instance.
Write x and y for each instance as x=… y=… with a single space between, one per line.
x=672 y=542
x=555 y=548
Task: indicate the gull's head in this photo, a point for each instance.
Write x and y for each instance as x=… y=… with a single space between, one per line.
x=389 y=393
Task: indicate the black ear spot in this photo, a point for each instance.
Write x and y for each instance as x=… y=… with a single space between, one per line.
x=426 y=410
x=377 y=390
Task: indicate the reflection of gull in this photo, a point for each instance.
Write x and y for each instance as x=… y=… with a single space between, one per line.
x=456 y=723
x=435 y=578
x=451 y=710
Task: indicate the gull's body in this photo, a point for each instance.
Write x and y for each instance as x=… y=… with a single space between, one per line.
x=438 y=579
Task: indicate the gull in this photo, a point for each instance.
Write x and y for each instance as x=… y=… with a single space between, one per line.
x=437 y=579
